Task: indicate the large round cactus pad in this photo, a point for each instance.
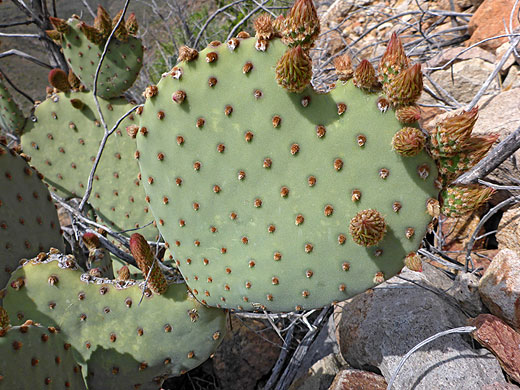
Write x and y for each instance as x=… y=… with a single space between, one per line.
x=251 y=186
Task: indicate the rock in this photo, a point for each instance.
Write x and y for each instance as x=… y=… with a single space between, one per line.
x=377 y=328
x=512 y=79
x=463 y=82
x=500 y=386
x=350 y=379
x=488 y=21
x=508 y=231
x=500 y=287
x=246 y=355
x=499 y=338
x=465 y=292
x=447 y=55
x=320 y=375
x=324 y=345
x=501 y=50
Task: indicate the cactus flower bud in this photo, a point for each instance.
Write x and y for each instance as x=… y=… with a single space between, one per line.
x=365 y=75
x=408 y=114
x=145 y=260
x=413 y=262
x=102 y=22
x=368 y=227
x=461 y=200
x=408 y=141
x=406 y=87
x=59 y=80
x=394 y=61
x=344 y=69
x=187 y=54
x=294 y=70
x=131 y=24
x=60 y=24
x=91 y=33
x=264 y=27
x=302 y=25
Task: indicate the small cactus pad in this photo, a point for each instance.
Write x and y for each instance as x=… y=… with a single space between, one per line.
x=120 y=67
x=11 y=117
x=63 y=142
x=123 y=343
x=28 y=219
x=254 y=188
x=34 y=357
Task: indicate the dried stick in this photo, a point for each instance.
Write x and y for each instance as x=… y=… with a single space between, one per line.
x=15 y=52
x=280 y=362
x=296 y=360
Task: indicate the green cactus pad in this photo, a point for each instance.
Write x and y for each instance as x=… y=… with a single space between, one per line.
x=63 y=142
x=11 y=117
x=120 y=342
x=28 y=219
x=34 y=357
x=253 y=187
x=120 y=67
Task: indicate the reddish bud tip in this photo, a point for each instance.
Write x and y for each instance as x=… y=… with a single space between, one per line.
x=367 y=228
x=406 y=87
x=408 y=141
x=59 y=80
x=365 y=75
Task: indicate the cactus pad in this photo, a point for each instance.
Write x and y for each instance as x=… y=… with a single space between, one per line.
x=11 y=117
x=254 y=188
x=34 y=357
x=121 y=342
x=28 y=220
x=63 y=142
x=120 y=67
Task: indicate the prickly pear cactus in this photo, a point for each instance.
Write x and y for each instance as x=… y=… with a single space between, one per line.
x=122 y=342
x=34 y=357
x=284 y=200
x=28 y=220
x=83 y=45
x=11 y=117
x=63 y=142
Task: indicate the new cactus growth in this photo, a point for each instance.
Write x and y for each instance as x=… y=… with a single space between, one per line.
x=83 y=44
x=63 y=141
x=254 y=187
x=34 y=357
x=11 y=117
x=120 y=341
x=98 y=257
x=28 y=220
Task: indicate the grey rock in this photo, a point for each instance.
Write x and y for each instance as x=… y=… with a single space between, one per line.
x=321 y=363
x=500 y=386
x=320 y=375
x=377 y=328
x=465 y=292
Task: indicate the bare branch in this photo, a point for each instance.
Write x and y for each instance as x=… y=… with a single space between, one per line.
x=15 y=52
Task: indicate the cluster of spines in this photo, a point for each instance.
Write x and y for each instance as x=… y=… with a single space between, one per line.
x=100 y=31
x=455 y=151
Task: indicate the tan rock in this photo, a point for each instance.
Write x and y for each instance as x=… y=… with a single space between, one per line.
x=462 y=81
x=448 y=54
x=351 y=379
x=508 y=234
x=488 y=21
x=499 y=288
